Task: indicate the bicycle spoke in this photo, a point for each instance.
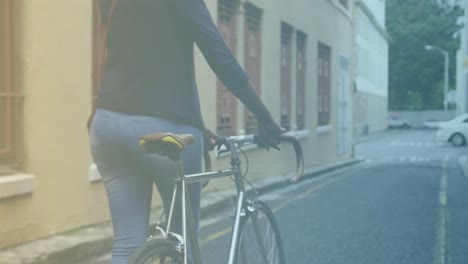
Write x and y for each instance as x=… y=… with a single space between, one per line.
x=160 y=260
x=258 y=236
x=269 y=243
x=259 y=231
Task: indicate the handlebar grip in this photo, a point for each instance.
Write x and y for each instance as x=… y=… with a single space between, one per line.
x=299 y=156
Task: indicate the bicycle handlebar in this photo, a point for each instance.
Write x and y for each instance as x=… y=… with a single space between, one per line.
x=251 y=139
x=299 y=156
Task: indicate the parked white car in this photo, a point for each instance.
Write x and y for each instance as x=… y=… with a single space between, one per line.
x=454 y=131
x=431 y=123
x=396 y=122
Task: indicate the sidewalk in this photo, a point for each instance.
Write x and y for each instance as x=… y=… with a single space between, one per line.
x=373 y=136
x=463 y=161
x=87 y=242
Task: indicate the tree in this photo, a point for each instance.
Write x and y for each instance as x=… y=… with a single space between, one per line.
x=415 y=74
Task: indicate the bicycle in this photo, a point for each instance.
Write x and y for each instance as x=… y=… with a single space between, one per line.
x=251 y=214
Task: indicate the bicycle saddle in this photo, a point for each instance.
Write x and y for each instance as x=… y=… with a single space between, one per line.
x=166 y=143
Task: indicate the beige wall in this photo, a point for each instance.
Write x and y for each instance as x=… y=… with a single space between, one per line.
x=371 y=112
x=55 y=75
x=313 y=18
x=54 y=55
x=2 y=48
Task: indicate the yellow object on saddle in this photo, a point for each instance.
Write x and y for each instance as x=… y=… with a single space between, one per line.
x=165 y=142
x=167 y=139
x=174 y=141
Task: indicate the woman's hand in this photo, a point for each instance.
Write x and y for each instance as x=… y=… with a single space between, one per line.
x=269 y=134
x=210 y=140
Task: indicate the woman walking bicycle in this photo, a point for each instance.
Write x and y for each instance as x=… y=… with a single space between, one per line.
x=148 y=87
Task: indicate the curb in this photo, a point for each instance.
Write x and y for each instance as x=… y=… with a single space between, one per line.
x=463 y=161
x=373 y=136
x=88 y=242
x=211 y=204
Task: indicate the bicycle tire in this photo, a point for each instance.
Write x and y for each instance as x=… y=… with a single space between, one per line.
x=259 y=229
x=157 y=249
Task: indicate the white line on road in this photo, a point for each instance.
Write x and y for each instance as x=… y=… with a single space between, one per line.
x=441 y=231
x=415 y=144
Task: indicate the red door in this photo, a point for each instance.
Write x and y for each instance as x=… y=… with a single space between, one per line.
x=300 y=73
x=286 y=34
x=324 y=53
x=252 y=56
x=10 y=97
x=226 y=102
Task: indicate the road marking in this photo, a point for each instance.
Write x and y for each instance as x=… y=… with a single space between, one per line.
x=441 y=231
x=402 y=159
x=415 y=144
x=310 y=193
x=215 y=236
x=287 y=202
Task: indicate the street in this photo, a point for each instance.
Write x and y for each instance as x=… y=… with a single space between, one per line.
x=98 y=108
x=407 y=203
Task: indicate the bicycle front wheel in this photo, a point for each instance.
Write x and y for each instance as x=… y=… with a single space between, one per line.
x=157 y=251
x=260 y=238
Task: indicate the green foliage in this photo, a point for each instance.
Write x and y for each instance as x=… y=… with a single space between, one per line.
x=415 y=74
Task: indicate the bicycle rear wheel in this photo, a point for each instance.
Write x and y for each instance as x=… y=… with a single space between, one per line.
x=157 y=251
x=260 y=238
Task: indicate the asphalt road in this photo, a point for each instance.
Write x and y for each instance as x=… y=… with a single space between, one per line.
x=407 y=203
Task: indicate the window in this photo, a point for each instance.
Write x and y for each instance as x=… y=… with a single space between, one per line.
x=10 y=95
x=323 y=92
x=344 y=3
x=300 y=73
x=226 y=102
x=252 y=59
x=286 y=35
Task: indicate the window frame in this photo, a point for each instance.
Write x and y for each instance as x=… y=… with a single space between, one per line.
x=252 y=57
x=286 y=75
x=226 y=102
x=324 y=53
x=301 y=66
x=10 y=92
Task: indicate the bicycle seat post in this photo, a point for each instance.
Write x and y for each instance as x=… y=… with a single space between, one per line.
x=175 y=194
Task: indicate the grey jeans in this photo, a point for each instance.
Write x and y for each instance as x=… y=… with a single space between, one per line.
x=128 y=174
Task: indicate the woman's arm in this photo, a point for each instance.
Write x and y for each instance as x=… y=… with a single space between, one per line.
x=199 y=23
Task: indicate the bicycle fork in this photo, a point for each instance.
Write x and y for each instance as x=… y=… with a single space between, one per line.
x=235 y=231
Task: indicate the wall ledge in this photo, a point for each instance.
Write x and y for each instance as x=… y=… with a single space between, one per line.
x=324 y=129
x=16 y=184
x=300 y=134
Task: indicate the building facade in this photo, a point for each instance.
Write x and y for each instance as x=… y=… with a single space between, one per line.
x=299 y=55
x=462 y=67
x=371 y=68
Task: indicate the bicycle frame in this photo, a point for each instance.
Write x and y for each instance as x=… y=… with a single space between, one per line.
x=180 y=190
